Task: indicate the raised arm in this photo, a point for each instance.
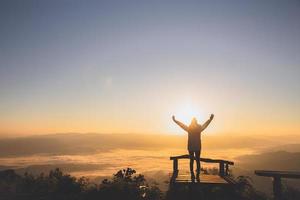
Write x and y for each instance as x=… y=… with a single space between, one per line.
x=205 y=125
x=182 y=125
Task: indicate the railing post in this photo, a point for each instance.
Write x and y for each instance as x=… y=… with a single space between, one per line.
x=175 y=165
x=221 y=168
x=226 y=169
x=277 y=188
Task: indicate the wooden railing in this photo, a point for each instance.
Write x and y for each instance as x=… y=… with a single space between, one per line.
x=223 y=164
x=277 y=175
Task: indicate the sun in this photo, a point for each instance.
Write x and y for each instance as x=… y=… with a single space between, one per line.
x=186 y=112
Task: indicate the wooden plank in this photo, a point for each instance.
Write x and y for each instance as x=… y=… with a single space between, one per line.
x=208 y=160
x=215 y=179
x=277 y=189
x=204 y=178
x=175 y=165
x=221 y=169
x=282 y=174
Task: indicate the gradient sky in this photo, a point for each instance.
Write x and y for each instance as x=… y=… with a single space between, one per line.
x=127 y=66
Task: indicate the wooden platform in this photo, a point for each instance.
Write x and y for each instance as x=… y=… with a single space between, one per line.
x=204 y=179
x=184 y=177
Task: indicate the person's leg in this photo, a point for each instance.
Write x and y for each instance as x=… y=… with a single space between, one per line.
x=191 y=153
x=197 y=155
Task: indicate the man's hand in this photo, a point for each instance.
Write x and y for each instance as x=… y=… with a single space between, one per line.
x=182 y=125
x=173 y=117
x=204 y=126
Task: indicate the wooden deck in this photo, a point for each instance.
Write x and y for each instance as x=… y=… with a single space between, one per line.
x=204 y=179
x=183 y=177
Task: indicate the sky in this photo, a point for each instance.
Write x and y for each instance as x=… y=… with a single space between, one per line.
x=128 y=66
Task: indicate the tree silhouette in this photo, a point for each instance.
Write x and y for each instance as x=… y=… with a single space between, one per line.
x=125 y=184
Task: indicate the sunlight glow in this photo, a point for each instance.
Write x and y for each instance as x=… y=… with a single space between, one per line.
x=187 y=111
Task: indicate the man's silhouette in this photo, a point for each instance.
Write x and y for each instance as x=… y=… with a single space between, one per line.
x=194 y=141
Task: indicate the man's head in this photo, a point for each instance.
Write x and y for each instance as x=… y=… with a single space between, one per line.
x=194 y=121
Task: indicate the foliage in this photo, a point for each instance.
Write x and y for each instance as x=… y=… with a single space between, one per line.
x=245 y=190
x=124 y=185
x=290 y=193
x=59 y=186
x=242 y=190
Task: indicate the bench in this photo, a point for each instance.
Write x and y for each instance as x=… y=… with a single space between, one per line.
x=277 y=175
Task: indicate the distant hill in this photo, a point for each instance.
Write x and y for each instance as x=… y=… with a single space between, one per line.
x=286 y=147
x=76 y=143
x=278 y=160
x=67 y=167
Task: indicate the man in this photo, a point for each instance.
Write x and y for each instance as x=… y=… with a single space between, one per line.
x=194 y=141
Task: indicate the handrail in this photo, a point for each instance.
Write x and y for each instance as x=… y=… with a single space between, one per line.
x=208 y=160
x=223 y=164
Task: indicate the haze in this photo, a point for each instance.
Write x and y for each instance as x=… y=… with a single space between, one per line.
x=126 y=67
